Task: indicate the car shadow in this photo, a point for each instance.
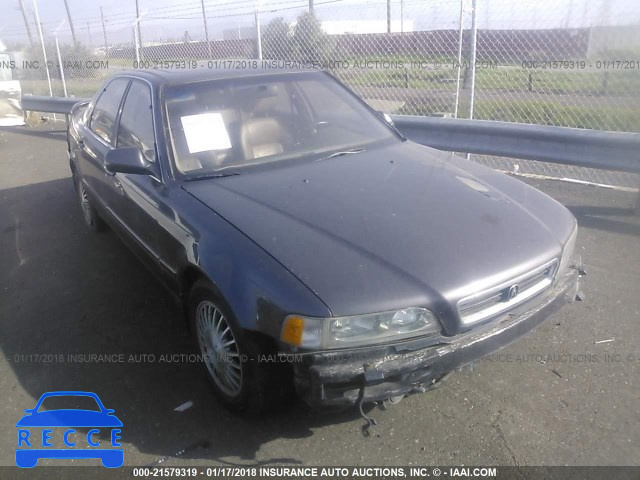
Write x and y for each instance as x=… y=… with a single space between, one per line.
x=55 y=134
x=78 y=311
x=611 y=219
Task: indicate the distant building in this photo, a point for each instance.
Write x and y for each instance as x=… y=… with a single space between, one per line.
x=238 y=33
x=607 y=39
x=337 y=27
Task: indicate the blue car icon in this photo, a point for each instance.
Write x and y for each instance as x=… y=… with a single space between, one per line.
x=32 y=447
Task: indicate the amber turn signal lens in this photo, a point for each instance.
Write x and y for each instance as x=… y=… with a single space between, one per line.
x=292 y=330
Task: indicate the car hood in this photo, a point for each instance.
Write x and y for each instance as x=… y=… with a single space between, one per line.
x=395 y=226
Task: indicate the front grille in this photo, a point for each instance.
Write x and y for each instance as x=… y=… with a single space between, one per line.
x=488 y=303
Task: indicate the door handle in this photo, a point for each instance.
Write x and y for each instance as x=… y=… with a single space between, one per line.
x=118 y=185
x=80 y=143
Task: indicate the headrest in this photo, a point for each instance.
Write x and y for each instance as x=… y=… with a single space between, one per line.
x=261 y=98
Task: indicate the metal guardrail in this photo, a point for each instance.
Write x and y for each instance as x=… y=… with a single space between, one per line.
x=34 y=103
x=569 y=146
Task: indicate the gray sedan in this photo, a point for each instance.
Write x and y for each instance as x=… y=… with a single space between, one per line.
x=314 y=247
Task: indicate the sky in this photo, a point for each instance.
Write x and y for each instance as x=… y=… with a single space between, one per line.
x=163 y=20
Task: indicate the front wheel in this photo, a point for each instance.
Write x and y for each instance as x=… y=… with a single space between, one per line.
x=232 y=356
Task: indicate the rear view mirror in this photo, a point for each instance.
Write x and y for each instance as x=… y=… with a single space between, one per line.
x=126 y=160
x=386 y=117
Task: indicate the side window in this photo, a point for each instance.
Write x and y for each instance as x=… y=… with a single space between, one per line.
x=103 y=118
x=136 y=121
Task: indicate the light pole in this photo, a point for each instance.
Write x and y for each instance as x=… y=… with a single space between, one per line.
x=138 y=32
x=104 y=34
x=44 y=51
x=474 y=38
x=73 y=30
x=26 y=23
x=89 y=32
x=206 y=28
x=258 y=36
x=60 y=66
x=459 y=66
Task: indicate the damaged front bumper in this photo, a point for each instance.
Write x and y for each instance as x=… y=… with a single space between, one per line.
x=347 y=377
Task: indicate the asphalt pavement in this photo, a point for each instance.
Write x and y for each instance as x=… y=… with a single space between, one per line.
x=566 y=394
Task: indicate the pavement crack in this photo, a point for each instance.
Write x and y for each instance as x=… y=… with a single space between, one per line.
x=21 y=258
x=506 y=444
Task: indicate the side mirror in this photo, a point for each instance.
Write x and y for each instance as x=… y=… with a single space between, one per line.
x=126 y=160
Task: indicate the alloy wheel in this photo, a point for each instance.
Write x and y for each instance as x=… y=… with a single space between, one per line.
x=219 y=348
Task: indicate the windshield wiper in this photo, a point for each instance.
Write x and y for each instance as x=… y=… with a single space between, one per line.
x=343 y=152
x=205 y=176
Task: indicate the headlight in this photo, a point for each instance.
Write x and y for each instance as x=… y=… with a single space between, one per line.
x=567 y=252
x=356 y=330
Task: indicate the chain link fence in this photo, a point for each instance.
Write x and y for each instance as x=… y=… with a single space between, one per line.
x=573 y=63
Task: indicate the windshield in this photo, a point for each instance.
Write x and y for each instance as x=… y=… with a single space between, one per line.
x=225 y=123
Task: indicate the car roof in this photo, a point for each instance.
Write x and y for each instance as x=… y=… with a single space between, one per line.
x=176 y=76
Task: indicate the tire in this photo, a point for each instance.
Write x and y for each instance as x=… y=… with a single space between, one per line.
x=240 y=382
x=91 y=218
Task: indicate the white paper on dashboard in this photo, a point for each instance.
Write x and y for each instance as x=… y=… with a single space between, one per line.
x=205 y=131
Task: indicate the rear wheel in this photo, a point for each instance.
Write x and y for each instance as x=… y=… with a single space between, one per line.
x=231 y=356
x=89 y=213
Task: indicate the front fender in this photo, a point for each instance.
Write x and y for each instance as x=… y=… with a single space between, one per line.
x=258 y=289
